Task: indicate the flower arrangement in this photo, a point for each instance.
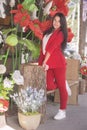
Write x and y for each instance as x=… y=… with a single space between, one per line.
x=6 y=82
x=29 y=100
x=7 y=86
x=33 y=16
x=30 y=18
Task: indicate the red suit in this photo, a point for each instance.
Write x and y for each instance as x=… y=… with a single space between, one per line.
x=56 y=74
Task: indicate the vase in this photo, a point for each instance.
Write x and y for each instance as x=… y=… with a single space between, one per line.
x=29 y=122
x=35 y=76
x=2 y=120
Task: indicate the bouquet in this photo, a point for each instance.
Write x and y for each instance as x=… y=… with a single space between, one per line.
x=7 y=86
x=83 y=68
x=29 y=100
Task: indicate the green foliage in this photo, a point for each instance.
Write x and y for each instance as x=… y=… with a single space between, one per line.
x=31 y=46
x=4 y=92
x=12 y=40
x=31 y=113
x=9 y=30
x=29 y=5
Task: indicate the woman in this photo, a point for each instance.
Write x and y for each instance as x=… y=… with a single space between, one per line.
x=53 y=60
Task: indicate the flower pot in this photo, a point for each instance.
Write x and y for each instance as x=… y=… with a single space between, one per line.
x=29 y=122
x=2 y=120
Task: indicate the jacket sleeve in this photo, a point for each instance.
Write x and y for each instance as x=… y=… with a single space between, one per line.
x=41 y=57
x=55 y=43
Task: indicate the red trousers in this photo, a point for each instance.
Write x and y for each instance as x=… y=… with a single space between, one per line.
x=56 y=78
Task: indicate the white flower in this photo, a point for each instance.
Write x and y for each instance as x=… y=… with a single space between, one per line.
x=76 y=56
x=12 y=3
x=2 y=69
x=18 y=78
x=1 y=40
x=1 y=37
x=47 y=8
x=83 y=64
x=34 y=15
x=23 y=29
x=2 y=10
x=7 y=83
x=29 y=99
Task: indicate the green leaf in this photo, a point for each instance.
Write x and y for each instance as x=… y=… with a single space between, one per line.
x=34 y=48
x=28 y=2
x=12 y=40
x=29 y=5
x=32 y=7
x=2 y=57
x=7 y=31
x=31 y=113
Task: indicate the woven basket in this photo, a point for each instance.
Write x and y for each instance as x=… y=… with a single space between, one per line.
x=82 y=86
x=73 y=99
x=72 y=72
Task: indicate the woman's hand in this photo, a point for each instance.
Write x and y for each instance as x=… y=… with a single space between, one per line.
x=45 y=66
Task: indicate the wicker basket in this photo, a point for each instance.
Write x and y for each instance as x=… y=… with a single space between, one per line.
x=73 y=99
x=82 y=86
x=72 y=72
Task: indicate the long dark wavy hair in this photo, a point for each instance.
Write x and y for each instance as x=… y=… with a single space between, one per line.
x=63 y=28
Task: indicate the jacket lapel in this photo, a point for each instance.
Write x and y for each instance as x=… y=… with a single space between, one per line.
x=52 y=37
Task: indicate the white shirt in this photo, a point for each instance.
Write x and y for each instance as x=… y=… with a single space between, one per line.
x=44 y=42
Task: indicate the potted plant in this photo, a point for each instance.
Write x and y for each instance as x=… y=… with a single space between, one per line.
x=29 y=101
x=6 y=86
x=6 y=82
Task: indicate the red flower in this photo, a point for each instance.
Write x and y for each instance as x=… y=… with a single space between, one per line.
x=45 y=25
x=4 y=104
x=19 y=7
x=25 y=19
x=61 y=6
x=21 y=16
x=70 y=35
x=34 y=26
x=83 y=70
x=37 y=31
x=18 y=17
x=53 y=12
x=61 y=2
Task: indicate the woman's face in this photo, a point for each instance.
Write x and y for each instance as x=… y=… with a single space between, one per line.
x=56 y=22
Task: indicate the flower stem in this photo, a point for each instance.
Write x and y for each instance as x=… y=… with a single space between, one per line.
x=28 y=34
x=13 y=62
x=16 y=55
x=6 y=56
x=19 y=1
x=20 y=52
x=11 y=19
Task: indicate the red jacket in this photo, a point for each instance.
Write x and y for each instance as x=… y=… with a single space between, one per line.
x=53 y=46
